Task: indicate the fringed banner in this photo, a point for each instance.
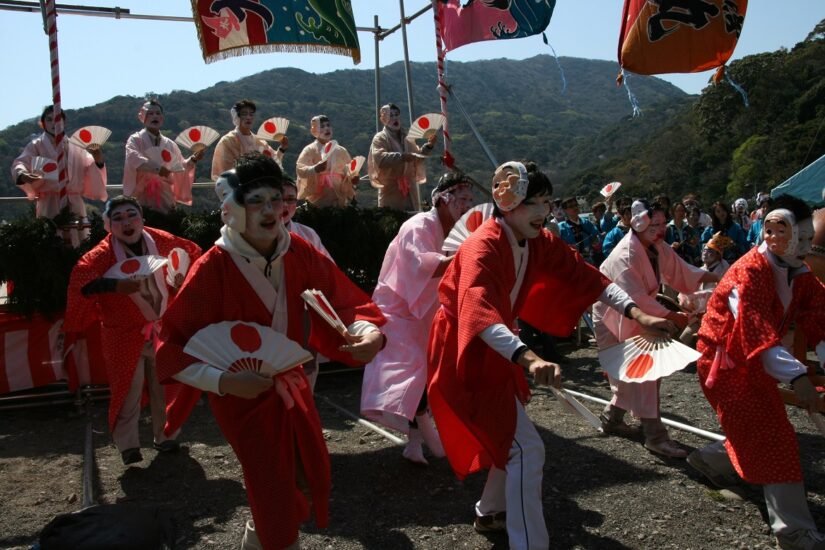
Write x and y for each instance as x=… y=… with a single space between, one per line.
x=229 y=28
x=489 y=20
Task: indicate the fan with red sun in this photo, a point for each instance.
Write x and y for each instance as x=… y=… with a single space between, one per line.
x=273 y=129
x=164 y=157
x=136 y=267
x=644 y=358
x=90 y=136
x=608 y=190
x=467 y=224
x=197 y=138
x=178 y=265
x=235 y=346
x=355 y=165
x=328 y=149
x=426 y=126
x=45 y=168
x=319 y=303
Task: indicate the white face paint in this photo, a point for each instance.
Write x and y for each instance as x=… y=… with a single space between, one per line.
x=246 y=118
x=290 y=197
x=126 y=223
x=48 y=123
x=803 y=247
x=655 y=231
x=789 y=240
x=324 y=131
x=460 y=202
x=527 y=219
x=153 y=118
x=393 y=119
x=264 y=208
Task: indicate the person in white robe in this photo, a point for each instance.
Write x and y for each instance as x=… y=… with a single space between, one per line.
x=242 y=139
x=325 y=180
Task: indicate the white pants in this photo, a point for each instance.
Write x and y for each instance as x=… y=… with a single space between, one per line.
x=126 y=432
x=786 y=502
x=250 y=540
x=518 y=490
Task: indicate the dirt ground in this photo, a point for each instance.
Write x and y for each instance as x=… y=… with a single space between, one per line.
x=599 y=492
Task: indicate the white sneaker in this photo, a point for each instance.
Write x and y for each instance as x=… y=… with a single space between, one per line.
x=431 y=438
x=801 y=539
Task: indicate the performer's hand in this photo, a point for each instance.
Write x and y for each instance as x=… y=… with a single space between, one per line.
x=289 y=386
x=26 y=177
x=806 y=394
x=197 y=156
x=127 y=286
x=284 y=144
x=321 y=166
x=245 y=384
x=544 y=372
x=164 y=172
x=96 y=153
x=655 y=325
x=431 y=140
x=178 y=279
x=680 y=319
x=355 y=179
x=363 y=347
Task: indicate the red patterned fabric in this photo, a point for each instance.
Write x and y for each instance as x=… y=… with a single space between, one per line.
x=761 y=442
x=267 y=438
x=471 y=388
x=121 y=322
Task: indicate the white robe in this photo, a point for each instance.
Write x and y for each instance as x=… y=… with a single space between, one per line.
x=140 y=174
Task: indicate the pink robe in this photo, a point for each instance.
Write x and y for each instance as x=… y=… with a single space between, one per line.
x=629 y=267
x=407 y=294
x=333 y=187
x=85 y=178
x=397 y=181
x=147 y=186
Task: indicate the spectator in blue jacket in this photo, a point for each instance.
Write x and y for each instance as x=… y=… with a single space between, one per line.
x=578 y=231
x=617 y=233
x=763 y=204
x=722 y=220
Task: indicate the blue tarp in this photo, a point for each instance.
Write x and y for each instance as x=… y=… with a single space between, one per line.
x=807 y=184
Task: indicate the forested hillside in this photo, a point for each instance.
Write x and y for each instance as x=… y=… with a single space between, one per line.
x=518 y=107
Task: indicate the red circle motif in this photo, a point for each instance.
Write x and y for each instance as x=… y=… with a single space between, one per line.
x=195 y=134
x=130 y=266
x=49 y=167
x=270 y=127
x=474 y=220
x=424 y=122
x=166 y=156
x=175 y=259
x=639 y=366
x=245 y=337
x=85 y=136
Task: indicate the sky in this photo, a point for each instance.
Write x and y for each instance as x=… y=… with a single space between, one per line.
x=104 y=57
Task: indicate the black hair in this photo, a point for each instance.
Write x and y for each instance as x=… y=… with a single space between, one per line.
x=120 y=200
x=244 y=103
x=255 y=170
x=537 y=183
x=322 y=119
x=450 y=179
x=566 y=202
x=717 y=225
x=799 y=208
x=625 y=209
x=46 y=110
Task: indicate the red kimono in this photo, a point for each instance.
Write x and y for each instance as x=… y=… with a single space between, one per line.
x=122 y=322
x=761 y=442
x=270 y=441
x=471 y=388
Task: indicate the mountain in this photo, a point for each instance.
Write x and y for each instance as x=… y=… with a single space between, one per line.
x=518 y=107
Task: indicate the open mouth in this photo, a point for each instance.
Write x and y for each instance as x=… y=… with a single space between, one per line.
x=129 y=232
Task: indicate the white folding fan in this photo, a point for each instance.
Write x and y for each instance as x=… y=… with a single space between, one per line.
x=466 y=224
x=610 y=188
x=197 y=138
x=135 y=268
x=46 y=168
x=644 y=358
x=573 y=405
x=355 y=165
x=426 y=126
x=90 y=136
x=328 y=149
x=178 y=264
x=273 y=129
x=164 y=157
x=235 y=346
x=318 y=302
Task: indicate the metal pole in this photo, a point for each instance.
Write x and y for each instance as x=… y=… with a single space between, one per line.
x=377 y=74
x=377 y=429
x=474 y=129
x=410 y=106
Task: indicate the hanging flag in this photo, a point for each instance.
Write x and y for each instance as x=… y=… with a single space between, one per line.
x=228 y=28
x=480 y=20
x=679 y=36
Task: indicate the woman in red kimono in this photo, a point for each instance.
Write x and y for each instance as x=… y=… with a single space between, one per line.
x=129 y=312
x=509 y=267
x=743 y=360
x=256 y=272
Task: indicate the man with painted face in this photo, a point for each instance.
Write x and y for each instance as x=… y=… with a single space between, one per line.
x=324 y=179
x=155 y=172
x=86 y=173
x=393 y=391
x=241 y=140
x=129 y=312
x=477 y=386
x=743 y=360
x=396 y=164
x=640 y=263
x=256 y=273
